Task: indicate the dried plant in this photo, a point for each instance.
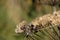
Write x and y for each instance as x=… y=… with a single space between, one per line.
x=45 y=26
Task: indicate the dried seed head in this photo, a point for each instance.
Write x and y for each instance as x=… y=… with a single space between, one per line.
x=20 y=27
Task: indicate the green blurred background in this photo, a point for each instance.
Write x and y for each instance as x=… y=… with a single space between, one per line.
x=13 y=12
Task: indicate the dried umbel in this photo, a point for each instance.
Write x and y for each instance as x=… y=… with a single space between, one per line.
x=42 y=24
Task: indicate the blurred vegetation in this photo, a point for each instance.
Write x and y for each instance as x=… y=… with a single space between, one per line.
x=28 y=12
